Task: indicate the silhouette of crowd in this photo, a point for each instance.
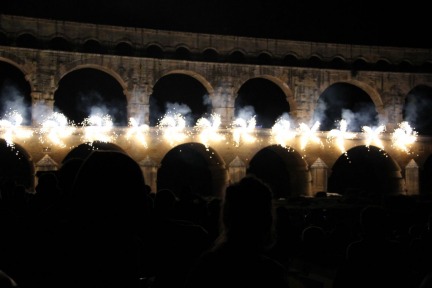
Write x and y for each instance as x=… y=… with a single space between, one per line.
x=95 y=223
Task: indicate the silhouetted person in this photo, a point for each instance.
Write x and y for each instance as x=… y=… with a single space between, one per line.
x=420 y=251
x=102 y=239
x=177 y=242
x=239 y=258
x=375 y=260
x=66 y=174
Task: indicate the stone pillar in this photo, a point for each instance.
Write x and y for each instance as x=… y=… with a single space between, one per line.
x=319 y=176
x=42 y=106
x=223 y=101
x=149 y=169
x=412 y=178
x=138 y=104
x=237 y=170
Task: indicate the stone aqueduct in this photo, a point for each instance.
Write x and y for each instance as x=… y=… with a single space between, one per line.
x=47 y=50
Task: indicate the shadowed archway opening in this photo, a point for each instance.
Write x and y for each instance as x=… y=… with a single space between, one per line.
x=425 y=177
x=14 y=93
x=179 y=93
x=366 y=172
x=282 y=169
x=16 y=165
x=86 y=92
x=348 y=102
x=263 y=98
x=418 y=108
x=192 y=168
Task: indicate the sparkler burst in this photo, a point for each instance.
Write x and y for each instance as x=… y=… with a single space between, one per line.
x=98 y=128
x=339 y=135
x=308 y=134
x=10 y=128
x=373 y=135
x=242 y=130
x=173 y=127
x=403 y=137
x=137 y=131
x=208 y=129
x=56 y=128
x=282 y=132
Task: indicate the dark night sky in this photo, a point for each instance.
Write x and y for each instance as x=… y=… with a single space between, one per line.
x=352 y=22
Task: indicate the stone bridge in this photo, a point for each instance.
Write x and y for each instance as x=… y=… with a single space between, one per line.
x=41 y=54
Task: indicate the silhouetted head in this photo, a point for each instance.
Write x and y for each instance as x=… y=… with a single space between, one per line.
x=247 y=213
x=373 y=220
x=109 y=182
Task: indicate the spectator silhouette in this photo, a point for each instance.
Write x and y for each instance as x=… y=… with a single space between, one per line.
x=177 y=242
x=375 y=260
x=103 y=240
x=66 y=174
x=239 y=257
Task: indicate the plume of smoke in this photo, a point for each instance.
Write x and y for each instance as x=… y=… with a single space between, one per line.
x=13 y=100
x=180 y=108
x=246 y=112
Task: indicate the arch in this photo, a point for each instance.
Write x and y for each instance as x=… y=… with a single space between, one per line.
x=88 y=91
x=346 y=100
x=283 y=169
x=289 y=96
x=406 y=65
x=315 y=61
x=27 y=40
x=154 y=51
x=264 y=58
x=84 y=149
x=60 y=43
x=210 y=54
x=360 y=64
x=175 y=95
x=255 y=93
x=92 y=46
x=182 y=53
x=15 y=92
x=366 y=172
x=194 y=168
x=193 y=74
x=426 y=66
x=16 y=164
x=237 y=56
x=93 y=64
x=338 y=62
x=124 y=48
x=383 y=65
x=373 y=94
x=291 y=60
x=418 y=108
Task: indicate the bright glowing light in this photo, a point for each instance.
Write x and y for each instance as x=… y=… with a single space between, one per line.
x=403 y=137
x=339 y=135
x=282 y=132
x=56 y=128
x=208 y=129
x=11 y=128
x=98 y=128
x=308 y=134
x=173 y=127
x=137 y=131
x=242 y=130
x=373 y=135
